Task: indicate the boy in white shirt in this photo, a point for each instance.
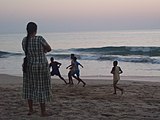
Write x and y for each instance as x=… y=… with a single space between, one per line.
x=116 y=71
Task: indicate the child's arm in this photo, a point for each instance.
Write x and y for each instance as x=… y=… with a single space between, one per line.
x=112 y=71
x=49 y=65
x=81 y=65
x=120 y=71
x=59 y=64
x=68 y=66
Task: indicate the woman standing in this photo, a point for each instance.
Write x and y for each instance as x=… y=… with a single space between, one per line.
x=36 y=80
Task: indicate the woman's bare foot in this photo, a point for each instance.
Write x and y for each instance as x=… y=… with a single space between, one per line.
x=122 y=91
x=31 y=112
x=46 y=114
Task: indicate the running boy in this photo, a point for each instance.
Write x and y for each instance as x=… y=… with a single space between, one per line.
x=55 y=68
x=75 y=72
x=116 y=71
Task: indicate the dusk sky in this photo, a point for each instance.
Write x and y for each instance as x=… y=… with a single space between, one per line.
x=79 y=15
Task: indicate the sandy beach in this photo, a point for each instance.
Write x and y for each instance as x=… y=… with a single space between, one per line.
x=140 y=101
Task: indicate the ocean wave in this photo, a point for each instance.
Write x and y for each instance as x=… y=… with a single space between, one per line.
x=133 y=59
x=122 y=50
x=4 y=54
x=122 y=53
x=136 y=54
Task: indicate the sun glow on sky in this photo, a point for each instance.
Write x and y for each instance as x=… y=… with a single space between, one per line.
x=70 y=15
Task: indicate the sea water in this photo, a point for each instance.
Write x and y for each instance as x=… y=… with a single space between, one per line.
x=138 y=52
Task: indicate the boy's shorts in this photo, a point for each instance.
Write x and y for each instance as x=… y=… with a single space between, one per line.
x=76 y=72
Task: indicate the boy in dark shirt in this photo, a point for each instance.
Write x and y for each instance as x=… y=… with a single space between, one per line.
x=55 y=68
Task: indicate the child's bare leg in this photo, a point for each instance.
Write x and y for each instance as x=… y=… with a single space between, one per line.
x=120 y=89
x=79 y=80
x=76 y=78
x=82 y=82
x=114 y=86
x=62 y=78
x=70 y=78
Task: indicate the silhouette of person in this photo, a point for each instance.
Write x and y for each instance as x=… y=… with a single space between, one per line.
x=55 y=68
x=75 y=72
x=37 y=79
x=116 y=71
x=70 y=68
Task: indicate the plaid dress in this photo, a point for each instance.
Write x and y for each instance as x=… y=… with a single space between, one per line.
x=37 y=80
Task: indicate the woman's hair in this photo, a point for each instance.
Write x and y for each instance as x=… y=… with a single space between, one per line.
x=31 y=28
